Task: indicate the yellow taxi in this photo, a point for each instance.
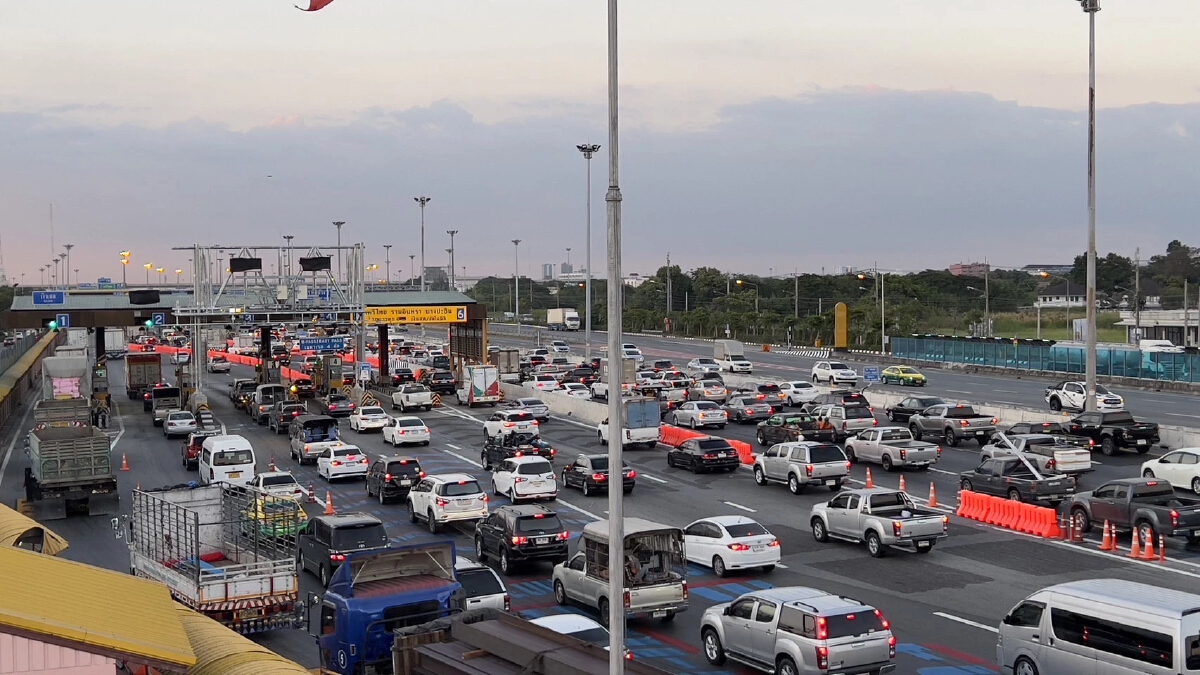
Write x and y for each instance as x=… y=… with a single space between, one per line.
x=903 y=376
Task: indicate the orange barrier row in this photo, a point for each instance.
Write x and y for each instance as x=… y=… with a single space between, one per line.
x=1012 y=515
x=745 y=453
x=675 y=436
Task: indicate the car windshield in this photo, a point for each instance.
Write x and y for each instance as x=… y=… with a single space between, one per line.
x=895 y=435
x=927 y=402
x=838 y=366
x=529 y=402
x=746 y=401
x=519 y=417
x=181 y=417
x=461 y=489
x=345 y=451
x=707 y=405
x=738 y=357
x=414 y=389
x=410 y=422
x=356 y=537
x=906 y=370
x=768 y=389
x=233 y=457
x=546 y=523
x=1101 y=389
x=479 y=582
x=534 y=468
x=218 y=359
x=337 y=398
x=293 y=408
x=1118 y=418
x=859 y=413
x=280 y=479
x=745 y=530
x=706 y=362
x=820 y=454
x=371 y=411
x=713 y=444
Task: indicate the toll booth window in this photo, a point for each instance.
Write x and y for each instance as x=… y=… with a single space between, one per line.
x=328 y=619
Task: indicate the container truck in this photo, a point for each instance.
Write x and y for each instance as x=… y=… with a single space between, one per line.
x=70 y=461
x=562 y=319
x=142 y=372
x=508 y=362
x=226 y=551
x=478 y=385
x=628 y=377
x=116 y=345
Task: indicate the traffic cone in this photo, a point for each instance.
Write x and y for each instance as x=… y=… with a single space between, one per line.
x=273 y=463
x=870 y=483
x=1162 y=549
x=903 y=485
x=1107 y=544
x=312 y=494
x=328 y=503
x=124 y=462
x=932 y=496
x=1135 y=549
x=1148 y=549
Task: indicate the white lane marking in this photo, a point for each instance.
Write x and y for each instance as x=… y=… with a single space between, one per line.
x=1181 y=415
x=948 y=473
x=959 y=391
x=653 y=478
x=967 y=622
x=116 y=414
x=468 y=461
x=577 y=423
x=739 y=506
x=13 y=442
x=1004 y=391
x=453 y=446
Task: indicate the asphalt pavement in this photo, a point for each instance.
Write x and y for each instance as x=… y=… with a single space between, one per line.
x=943 y=607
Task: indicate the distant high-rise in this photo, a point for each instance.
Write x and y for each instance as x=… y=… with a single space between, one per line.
x=547 y=271
x=566 y=268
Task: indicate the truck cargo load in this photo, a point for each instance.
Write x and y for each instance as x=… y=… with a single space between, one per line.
x=142 y=371
x=116 y=344
x=628 y=378
x=508 y=363
x=70 y=464
x=228 y=552
x=563 y=318
x=479 y=385
x=66 y=377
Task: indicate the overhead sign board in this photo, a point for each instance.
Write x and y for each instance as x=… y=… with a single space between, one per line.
x=85 y=286
x=417 y=314
x=104 y=280
x=109 y=286
x=158 y=318
x=49 y=297
x=325 y=344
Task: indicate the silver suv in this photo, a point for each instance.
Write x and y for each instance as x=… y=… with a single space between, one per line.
x=797 y=631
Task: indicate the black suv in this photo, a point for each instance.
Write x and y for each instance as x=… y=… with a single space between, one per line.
x=589 y=473
x=843 y=397
x=393 y=477
x=442 y=382
x=325 y=541
x=282 y=414
x=524 y=533
x=403 y=376
x=496 y=449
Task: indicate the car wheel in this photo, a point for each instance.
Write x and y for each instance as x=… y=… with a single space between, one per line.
x=850 y=456
x=714 y=653
x=433 y=526
x=875 y=546
x=1014 y=494
x=762 y=440
x=1145 y=531
x=1108 y=446
x=670 y=461
x=718 y=566
x=601 y=437
x=794 y=484
x=587 y=491
x=674 y=420
x=1055 y=404
x=512 y=495
x=887 y=463
x=412 y=512
x=560 y=593
x=1080 y=520
x=759 y=476
x=693 y=423
x=1147 y=474
x=382 y=499
x=323 y=575
x=951 y=439
x=602 y=606
x=818 y=530
x=915 y=431
x=367 y=485
x=966 y=485
x=480 y=553
x=1196 y=485
x=505 y=563
x=483 y=459
x=786 y=666
x=1023 y=666
x=767 y=569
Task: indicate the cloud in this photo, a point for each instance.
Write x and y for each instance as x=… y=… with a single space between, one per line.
x=815 y=181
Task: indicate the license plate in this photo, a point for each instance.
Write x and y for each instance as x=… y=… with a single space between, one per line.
x=243 y=614
x=922 y=544
x=543 y=540
x=1196 y=533
x=659 y=615
x=235 y=474
x=1054 y=484
x=831 y=482
x=1141 y=441
x=758 y=549
x=405 y=481
x=979 y=433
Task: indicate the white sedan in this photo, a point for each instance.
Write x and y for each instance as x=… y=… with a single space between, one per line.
x=405 y=431
x=703 y=365
x=543 y=383
x=368 y=418
x=278 y=484
x=343 y=461
x=576 y=389
x=1180 y=468
x=525 y=478
x=796 y=394
x=179 y=423
x=579 y=627
x=731 y=543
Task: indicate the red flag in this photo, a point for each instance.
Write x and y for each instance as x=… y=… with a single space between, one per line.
x=314 y=5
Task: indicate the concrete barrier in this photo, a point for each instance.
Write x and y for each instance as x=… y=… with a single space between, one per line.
x=579 y=409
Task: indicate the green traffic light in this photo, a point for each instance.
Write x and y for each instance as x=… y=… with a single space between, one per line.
x=53 y=325
x=149 y=324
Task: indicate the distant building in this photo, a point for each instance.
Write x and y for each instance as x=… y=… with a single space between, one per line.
x=1056 y=270
x=573 y=276
x=566 y=268
x=547 y=271
x=1062 y=295
x=633 y=280
x=1176 y=325
x=846 y=270
x=969 y=269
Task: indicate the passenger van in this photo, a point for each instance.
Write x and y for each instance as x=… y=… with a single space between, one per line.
x=1102 y=626
x=226 y=459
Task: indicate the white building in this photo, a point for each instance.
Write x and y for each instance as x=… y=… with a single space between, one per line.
x=1163 y=324
x=1062 y=295
x=633 y=280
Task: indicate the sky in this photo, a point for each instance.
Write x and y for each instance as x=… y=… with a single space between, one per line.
x=767 y=137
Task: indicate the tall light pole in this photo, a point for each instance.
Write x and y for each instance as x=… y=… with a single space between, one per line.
x=148 y=267
x=338 y=224
x=412 y=271
x=588 y=150
x=288 y=258
x=178 y=276
x=68 y=266
x=1090 y=7
x=742 y=282
x=517 y=283
x=616 y=504
x=62 y=265
x=42 y=270
x=882 y=309
x=387 y=261
x=452 y=233
x=422 y=200
x=125 y=255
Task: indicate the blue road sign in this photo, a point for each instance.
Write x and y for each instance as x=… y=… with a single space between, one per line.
x=63 y=320
x=871 y=374
x=159 y=318
x=324 y=293
x=364 y=371
x=324 y=344
x=85 y=286
x=49 y=297
x=104 y=280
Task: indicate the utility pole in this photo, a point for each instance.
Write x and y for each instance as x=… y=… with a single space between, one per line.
x=422 y=201
x=668 y=283
x=1137 y=292
x=1185 y=312
x=882 y=316
x=1090 y=7
x=517 y=283
x=796 y=311
x=452 y=233
x=588 y=149
x=387 y=262
x=341 y=271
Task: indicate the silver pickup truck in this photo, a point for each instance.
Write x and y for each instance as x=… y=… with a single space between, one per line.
x=883 y=518
x=955 y=423
x=892 y=447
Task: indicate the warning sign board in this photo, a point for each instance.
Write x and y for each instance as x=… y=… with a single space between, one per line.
x=417 y=314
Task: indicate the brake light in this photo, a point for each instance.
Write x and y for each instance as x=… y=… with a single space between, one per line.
x=507 y=602
x=939 y=452
x=945 y=524
x=363 y=460
x=519 y=479
x=903 y=453
x=1174 y=518
x=306 y=447
x=336 y=463
x=892 y=646
x=995 y=421
x=709 y=455
x=1050 y=464
x=739 y=547
x=761 y=397
x=631 y=474
x=387 y=477
x=420 y=474
x=626 y=599
x=563 y=536
x=808 y=469
x=520 y=541
x=147 y=397
x=483 y=498
x=774 y=543
x=964 y=423
x=441 y=502
x=509 y=425
x=822 y=652
x=337 y=557
x=628 y=656
x=1091 y=443
x=352 y=406
x=886 y=624
x=848 y=465
x=896 y=528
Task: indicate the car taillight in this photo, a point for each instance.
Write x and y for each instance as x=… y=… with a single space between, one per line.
x=628 y=656
x=685 y=589
x=1091 y=443
x=483 y=498
x=822 y=655
x=892 y=646
x=939 y=452
x=808 y=469
x=738 y=547
x=147 y=397
x=509 y=425
x=896 y=528
x=336 y=463
x=563 y=536
x=903 y=453
x=964 y=423
x=709 y=455
x=507 y=602
x=420 y=474
x=337 y=557
x=849 y=466
x=774 y=543
x=631 y=474
x=519 y=479
x=874 y=422
x=363 y=460
x=441 y=502
x=599 y=477
x=520 y=541
x=626 y=598
x=995 y=421
x=945 y=524
x=352 y=406
x=1050 y=464
x=1174 y=518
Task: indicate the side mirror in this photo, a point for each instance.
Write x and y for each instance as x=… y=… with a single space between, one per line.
x=1163 y=460
x=725 y=611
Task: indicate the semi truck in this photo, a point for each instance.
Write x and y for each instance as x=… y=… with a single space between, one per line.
x=563 y=318
x=226 y=551
x=116 y=344
x=142 y=372
x=374 y=593
x=628 y=377
x=478 y=385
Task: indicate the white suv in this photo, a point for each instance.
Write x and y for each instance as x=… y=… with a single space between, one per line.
x=834 y=372
x=447 y=498
x=525 y=478
x=507 y=422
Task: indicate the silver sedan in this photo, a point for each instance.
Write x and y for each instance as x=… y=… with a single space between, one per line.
x=698 y=414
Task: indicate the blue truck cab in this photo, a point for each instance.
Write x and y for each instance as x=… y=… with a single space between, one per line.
x=375 y=592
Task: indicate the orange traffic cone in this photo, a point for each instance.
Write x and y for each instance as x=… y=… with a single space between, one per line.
x=124 y=462
x=1148 y=549
x=328 y=503
x=932 y=496
x=870 y=483
x=312 y=493
x=1162 y=549
x=903 y=485
x=273 y=463
x=1107 y=543
x=1135 y=549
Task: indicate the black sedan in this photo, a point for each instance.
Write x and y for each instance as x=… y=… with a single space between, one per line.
x=303 y=386
x=336 y=405
x=910 y=406
x=704 y=454
x=589 y=473
x=403 y=376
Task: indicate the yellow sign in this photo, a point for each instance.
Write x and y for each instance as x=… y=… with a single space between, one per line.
x=841 y=326
x=416 y=314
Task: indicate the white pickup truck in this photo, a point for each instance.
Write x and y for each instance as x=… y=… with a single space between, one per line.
x=883 y=518
x=1048 y=453
x=892 y=447
x=411 y=397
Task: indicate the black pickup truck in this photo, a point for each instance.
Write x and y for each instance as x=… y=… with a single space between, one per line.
x=788 y=427
x=1115 y=430
x=1010 y=477
x=1148 y=505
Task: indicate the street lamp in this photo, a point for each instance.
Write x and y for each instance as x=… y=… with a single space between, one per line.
x=162 y=275
x=742 y=282
x=148 y=267
x=387 y=255
x=42 y=270
x=451 y=250
x=68 y=265
x=1090 y=7
x=588 y=150
x=124 y=264
x=338 y=224
x=178 y=276
x=288 y=258
x=516 y=283
x=422 y=200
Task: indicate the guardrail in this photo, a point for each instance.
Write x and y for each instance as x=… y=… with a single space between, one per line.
x=21 y=379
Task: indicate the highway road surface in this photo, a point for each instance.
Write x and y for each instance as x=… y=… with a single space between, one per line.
x=943 y=607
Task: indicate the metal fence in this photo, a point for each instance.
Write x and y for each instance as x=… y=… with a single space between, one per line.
x=1111 y=361
x=10 y=353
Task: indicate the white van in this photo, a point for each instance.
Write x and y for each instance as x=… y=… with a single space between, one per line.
x=226 y=459
x=1103 y=626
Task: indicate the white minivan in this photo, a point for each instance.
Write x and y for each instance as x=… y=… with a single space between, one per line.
x=226 y=459
x=1103 y=626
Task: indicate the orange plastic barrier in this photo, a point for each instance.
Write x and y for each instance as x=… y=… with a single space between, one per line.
x=745 y=453
x=675 y=436
x=1018 y=516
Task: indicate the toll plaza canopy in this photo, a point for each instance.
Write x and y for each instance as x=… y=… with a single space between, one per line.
x=18 y=529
